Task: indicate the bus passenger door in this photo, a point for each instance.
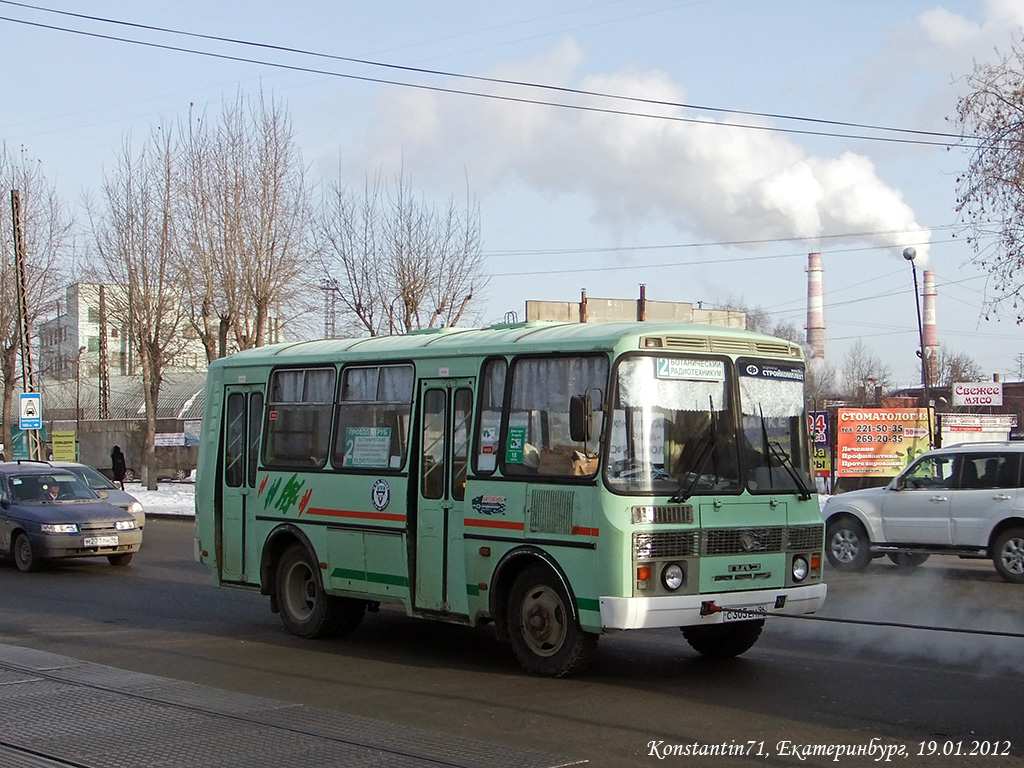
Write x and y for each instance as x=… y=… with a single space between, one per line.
x=446 y=409
x=241 y=425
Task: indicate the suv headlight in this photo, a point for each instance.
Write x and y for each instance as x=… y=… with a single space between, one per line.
x=135 y=508
x=59 y=528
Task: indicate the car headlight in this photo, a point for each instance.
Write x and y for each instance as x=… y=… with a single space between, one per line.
x=135 y=508
x=800 y=568
x=59 y=528
x=125 y=525
x=672 y=577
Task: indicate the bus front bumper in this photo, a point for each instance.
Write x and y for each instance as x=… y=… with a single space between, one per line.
x=715 y=608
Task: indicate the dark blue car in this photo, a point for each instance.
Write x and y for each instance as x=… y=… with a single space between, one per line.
x=47 y=512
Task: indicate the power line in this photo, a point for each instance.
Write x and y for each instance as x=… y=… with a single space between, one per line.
x=954 y=138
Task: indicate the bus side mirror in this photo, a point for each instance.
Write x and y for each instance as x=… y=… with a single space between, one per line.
x=581 y=418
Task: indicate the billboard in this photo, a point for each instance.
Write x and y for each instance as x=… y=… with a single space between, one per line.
x=879 y=442
x=817 y=422
x=978 y=393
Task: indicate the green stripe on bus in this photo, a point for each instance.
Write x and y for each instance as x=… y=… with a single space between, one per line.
x=376 y=578
x=472 y=589
x=587 y=604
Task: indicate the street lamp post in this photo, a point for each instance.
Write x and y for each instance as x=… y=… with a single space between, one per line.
x=910 y=254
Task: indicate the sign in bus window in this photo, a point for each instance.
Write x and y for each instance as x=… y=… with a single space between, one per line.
x=374 y=405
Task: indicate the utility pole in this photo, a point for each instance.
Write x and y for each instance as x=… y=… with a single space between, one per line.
x=28 y=384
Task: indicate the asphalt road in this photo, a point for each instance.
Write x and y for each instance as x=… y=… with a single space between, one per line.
x=809 y=684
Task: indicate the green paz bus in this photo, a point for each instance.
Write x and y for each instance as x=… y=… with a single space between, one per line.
x=559 y=481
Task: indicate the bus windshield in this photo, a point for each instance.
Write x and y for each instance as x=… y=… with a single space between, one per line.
x=774 y=427
x=673 y=427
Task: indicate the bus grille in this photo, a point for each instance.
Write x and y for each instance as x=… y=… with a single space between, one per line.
x=805 y=537
x=651 y=546
x=738 y=541
x=663 y=514
x=551 y=512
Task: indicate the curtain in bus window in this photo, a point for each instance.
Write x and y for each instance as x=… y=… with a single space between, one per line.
x=492 y=398
x=299 y=418
x=537 y=440
x=373 y=416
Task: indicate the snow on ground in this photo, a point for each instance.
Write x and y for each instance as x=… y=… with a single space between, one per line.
x=169 y=499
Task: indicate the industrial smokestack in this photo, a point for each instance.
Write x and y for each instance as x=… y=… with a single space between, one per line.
x=929 y=336
x=815 y=307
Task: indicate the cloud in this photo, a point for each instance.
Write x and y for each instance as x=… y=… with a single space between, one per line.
x=713 y=181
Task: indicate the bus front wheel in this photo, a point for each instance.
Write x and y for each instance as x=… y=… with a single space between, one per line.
x=723 y=641
x=306 y=610
x=546 y=637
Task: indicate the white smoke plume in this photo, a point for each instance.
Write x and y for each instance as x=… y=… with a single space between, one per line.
x=718 y=183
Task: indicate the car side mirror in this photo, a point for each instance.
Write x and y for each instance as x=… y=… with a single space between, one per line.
x=5 y=502
x=102 y=493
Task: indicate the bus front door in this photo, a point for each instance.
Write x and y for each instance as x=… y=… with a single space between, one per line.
x=446 y=409
x=243 y=416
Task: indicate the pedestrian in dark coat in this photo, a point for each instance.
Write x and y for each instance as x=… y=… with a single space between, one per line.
x=117 y=465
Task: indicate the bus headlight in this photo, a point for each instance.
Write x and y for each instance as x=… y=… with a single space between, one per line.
x=672 y=577
x=800 y=568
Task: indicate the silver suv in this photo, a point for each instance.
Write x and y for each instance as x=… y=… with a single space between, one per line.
x=965 y=500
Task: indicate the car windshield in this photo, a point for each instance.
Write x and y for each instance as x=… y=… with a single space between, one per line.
x=94 y=479
x=48 y=487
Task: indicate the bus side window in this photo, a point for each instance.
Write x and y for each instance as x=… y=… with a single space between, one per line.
x=488 y=430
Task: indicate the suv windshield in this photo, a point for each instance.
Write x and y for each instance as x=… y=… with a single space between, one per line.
x=56 y=486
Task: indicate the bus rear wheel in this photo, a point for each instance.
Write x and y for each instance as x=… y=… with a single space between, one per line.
x=723 y=641
x=545 y=634
x=306 y=610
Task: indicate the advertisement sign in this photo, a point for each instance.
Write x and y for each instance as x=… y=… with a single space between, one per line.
x=63 y=443
x=978 y=393
x=821 y=458
x=879 y=442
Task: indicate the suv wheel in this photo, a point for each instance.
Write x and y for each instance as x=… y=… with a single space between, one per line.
x=1008 y=555
x=847 y=546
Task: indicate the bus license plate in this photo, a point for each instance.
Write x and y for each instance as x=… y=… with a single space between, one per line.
x=744 y=613
x=100 y=541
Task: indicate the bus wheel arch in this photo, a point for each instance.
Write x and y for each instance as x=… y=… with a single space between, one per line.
x=539 y=618
x=279 y=540
x=506 y=572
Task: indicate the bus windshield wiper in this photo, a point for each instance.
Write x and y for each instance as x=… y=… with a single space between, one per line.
x=774 y=449
x=708 y=444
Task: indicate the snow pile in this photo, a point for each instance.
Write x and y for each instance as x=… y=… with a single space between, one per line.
x=169 y=499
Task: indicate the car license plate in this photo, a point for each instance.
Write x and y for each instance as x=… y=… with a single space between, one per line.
x=100 y=541
x=744 y=612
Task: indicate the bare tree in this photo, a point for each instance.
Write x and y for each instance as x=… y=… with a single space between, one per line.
x=863 y=372
x=956 y=366
x=134 y=235
x=46 y=228
x=990 y=193
x=245 y=207
x=400 y=262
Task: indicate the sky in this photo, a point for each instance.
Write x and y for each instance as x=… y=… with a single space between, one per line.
x=658 y=186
